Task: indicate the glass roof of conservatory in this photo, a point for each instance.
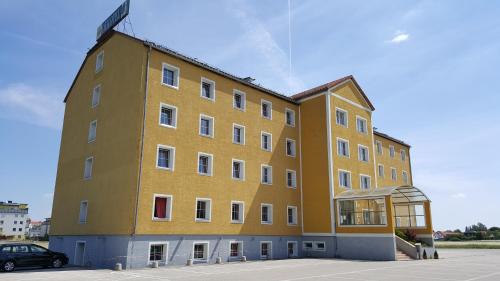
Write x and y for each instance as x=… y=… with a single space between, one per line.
x=399 y=194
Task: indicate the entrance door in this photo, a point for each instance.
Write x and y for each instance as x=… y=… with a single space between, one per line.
x=80 y=253
x=292 y=249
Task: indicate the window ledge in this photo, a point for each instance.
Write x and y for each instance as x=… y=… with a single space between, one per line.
x=160 y=219
x=202 y=220
x=168 y=126
x=170 y=86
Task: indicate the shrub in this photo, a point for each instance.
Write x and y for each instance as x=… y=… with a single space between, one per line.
x=401 y=234
x=411 y=235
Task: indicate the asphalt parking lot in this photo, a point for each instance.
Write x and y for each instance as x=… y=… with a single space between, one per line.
x=464 y=265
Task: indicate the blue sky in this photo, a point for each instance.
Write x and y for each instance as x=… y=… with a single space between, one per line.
x=431 y=68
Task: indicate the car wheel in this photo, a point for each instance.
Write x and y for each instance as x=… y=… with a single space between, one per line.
x=57 y=263
x=9 y=266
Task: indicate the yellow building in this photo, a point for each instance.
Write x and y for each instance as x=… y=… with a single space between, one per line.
x=166 y=159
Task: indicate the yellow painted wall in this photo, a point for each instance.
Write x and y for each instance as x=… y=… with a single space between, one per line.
x=184 y=183
x=395 y=162
x=111 y=191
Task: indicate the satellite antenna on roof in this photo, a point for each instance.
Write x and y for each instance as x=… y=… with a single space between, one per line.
x=249 y=79
x=115 y=18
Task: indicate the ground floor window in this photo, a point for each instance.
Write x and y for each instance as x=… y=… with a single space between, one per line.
x=265 y=250
x=200 y=251
x=362 y=212
x=319 y=246
x=158 y=252
x=409 y=215
x=236 y=249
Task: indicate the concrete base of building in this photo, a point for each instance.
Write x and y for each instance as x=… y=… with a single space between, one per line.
x=134 y=251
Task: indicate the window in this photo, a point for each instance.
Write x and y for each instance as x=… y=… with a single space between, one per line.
x=203 y=209
x=266 y=214
x=99 y=61
x=307 y=245
x=206 y=126
x=239 y=100
x=290 y=117
x=364 y=181
x=290 y=147
x=292 y=249
x=363 y=153
x=14 y=229
x=362 y=212
x=158 y=252
x=378 y=145
x=266 y=141
x=92 y=131
x=236 y=249
x=394 y=175
x=381 y=171
x=319 y=246
x=412 y=215
x=205 y=164
x=291 y=178
x=162 y=207
x=342 y=147
x=83 y=212
x=238 y=134
x=238 y=169
x=165 y=157
x=403 y=155
x=168 y=115
x=292 y=215
x=200 y=251
x=341 y=117
x=266 y=174
x=391 y=151
x=87 y=172
x=405 y=177
x=96 y=96
x=170 y=76
x=361 y=125
x=237 y=212
x=265 y=250
x=266 y=109
x=207 y=89
x=345 y=179
x=15 y=222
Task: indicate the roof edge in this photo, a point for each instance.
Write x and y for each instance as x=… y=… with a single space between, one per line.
x=386 y=136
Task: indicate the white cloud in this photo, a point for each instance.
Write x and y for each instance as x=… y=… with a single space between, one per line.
x=400 y=37
x=31 y=105
x=459 y=195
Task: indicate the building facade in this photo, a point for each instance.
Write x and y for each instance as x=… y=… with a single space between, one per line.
x=165 y=158
x=14 y=220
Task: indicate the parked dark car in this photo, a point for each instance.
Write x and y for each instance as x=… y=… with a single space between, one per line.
x=29 y=255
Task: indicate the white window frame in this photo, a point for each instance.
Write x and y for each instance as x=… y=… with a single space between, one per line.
x=262 y=133
x=383 y=171
x=89 y=168
x=270 y=175
x=315 y=246
x=99 y=58
x=210 y=164
x=360 y=146
x=206 y=251
x=377 y=145
x=165 y=252
x=357 y=125
x=392 y=151
x=242 y=212
x=294 y=150
x=243 y=100
x=172 y=157
x=82 y=214
x=242 y=167
x=240 y=249
x=211 y=126
x=348 y=148
x=170 y=201
x=361 y=176
x=307 y=248
x=295 y=215
x=212 y=88
x=270 y=213
x=96 y=94
x=174 y=115
x=92 y=131
x=404 y=175
x=350 y=178
x=394 y=174
x=208 y=212
x=346 y=117
x=295 y=249
x=294 y=178
x=289 y=110
x=177 y=74
x=403 y=154
x=270 y=105
x=269 y=250
x=242 y=135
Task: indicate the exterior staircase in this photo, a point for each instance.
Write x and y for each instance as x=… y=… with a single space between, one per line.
x=400 y=256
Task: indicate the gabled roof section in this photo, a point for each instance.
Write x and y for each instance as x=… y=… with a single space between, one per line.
x=386 y=136
x=330 y=85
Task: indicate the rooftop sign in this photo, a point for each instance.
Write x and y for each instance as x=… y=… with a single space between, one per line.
x=118 y=15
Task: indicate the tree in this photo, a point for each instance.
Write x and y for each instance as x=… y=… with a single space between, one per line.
x=457 y=231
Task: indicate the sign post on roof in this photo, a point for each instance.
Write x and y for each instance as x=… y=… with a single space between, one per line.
x=116 y=17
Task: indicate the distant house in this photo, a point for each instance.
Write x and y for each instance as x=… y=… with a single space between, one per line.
x=14 y=220
x=39 y=229
x=438 y=235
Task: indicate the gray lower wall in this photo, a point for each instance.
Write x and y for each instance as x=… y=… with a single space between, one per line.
x=366 y=247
